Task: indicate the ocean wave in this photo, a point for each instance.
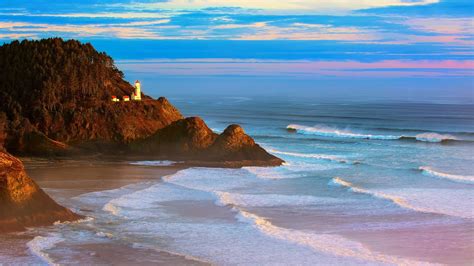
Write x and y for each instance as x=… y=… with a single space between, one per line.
x=434 y=201
x=154 y=163
x=311 y=155
x=394 y=199
x=84 y=220
x=456 y=178
x=289 y=170
x=270 y=200
x=204 y=181
x=434 y=137
x=39 y=244
x=325 y=131
x=338 y=246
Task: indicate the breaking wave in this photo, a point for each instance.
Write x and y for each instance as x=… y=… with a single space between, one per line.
x=434 y=201
x=39 y=244
x=270 y=200
x=456 y=178
x=310 y=155
x=325 y=131
x=338 y=246
x=396 y=200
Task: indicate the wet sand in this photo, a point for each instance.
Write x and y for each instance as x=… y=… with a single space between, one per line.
x=65 y=179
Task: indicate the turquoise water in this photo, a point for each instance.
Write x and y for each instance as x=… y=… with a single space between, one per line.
x=395 y=177
x=363 y=184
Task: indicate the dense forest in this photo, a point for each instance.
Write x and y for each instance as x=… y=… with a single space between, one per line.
x=62 y=90
x=47 y=72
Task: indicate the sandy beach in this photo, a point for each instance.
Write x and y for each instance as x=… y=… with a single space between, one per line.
x=64 y=180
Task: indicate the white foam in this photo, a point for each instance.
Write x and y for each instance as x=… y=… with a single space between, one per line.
x=397 y=200
x=253 y=236
x=141 y=201
x=270 y=172
x=111 y=208
x=104 y=234
x=84 y=220
x=426 y=200
x=270 y=200
x=456 y=178
x=154 y=163
x=293 y=169
x=326 y=131
x=211 y=179
x=330 y=244
x=434 y=137
x=310 y=155
x=38 y=245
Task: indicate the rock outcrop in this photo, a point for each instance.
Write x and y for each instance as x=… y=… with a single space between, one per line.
x=234 y=145
x=192 y=141
x=22 y=202
x=184 y=139
x=55 y=100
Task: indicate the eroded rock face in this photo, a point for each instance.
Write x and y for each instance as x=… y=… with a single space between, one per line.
x=192 y=140
x=22 y=202
x=185 y=138
x=233 y=145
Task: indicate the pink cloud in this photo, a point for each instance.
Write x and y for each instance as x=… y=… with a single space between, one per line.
x=391 y=68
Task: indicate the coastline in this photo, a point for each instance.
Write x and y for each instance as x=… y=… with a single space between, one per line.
x=66 y=179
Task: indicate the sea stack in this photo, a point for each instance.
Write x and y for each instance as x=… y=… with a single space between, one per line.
x=22 y=202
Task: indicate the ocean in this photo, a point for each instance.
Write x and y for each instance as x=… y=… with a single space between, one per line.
x=376 y=183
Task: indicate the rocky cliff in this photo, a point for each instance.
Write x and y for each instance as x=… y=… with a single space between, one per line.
x=22 y=202
x=56 y=100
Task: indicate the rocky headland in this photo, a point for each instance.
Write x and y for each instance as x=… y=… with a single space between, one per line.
x=56 y=100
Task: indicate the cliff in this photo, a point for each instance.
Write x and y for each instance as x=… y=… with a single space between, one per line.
x=22 y=202
x=55 y=90
x=56 y=100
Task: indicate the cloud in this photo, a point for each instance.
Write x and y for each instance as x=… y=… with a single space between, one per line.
x=301 y=68
x=33 y=30
x=123 y=15
x=458 y=26
x=313 y=6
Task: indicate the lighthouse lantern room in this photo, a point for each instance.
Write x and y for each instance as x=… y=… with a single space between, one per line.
x=137 y=95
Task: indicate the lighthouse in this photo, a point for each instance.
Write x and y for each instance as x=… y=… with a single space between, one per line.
x=137 y=95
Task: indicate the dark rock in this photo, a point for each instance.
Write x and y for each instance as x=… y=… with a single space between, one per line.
x=185 y=138
x=192 y=140
x=22 y=202
x=233 y=145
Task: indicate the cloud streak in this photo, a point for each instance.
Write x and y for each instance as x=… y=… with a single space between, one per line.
x=301 y=68
x=304 y=6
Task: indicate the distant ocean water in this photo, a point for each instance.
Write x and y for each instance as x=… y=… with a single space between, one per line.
x=363 y=183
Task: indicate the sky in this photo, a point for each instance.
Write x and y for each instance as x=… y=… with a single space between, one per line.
x=414 y=50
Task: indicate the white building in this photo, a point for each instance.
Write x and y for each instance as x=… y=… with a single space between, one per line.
x=137 y=95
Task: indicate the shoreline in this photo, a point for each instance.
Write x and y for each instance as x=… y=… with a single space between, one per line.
x=66 y=179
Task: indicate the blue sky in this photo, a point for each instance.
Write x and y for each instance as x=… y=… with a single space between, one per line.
x=403 y=48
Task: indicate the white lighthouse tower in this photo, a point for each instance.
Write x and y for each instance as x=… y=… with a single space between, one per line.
x=137 y=95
